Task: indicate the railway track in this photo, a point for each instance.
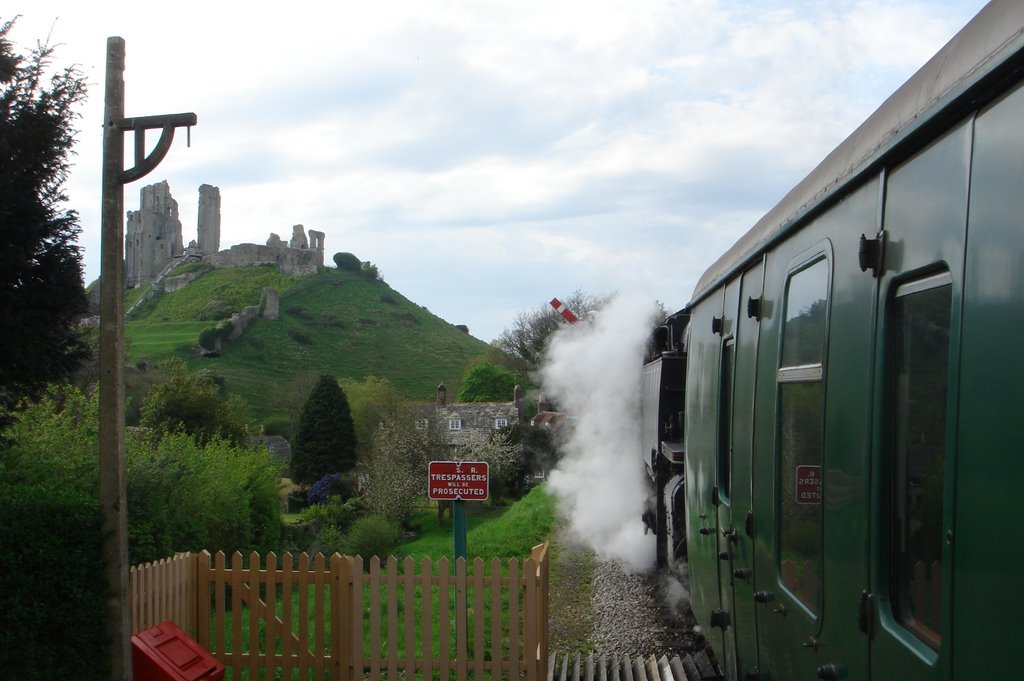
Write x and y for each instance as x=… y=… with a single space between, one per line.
x=576 y=667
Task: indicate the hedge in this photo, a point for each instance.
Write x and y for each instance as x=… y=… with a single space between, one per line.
x=54 y=586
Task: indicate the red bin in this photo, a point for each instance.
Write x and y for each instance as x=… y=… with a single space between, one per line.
x=166 y=653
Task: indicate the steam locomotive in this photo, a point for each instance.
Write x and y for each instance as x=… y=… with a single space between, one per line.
x=834 y=424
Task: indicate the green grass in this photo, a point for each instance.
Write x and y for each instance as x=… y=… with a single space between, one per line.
x=155 y=340
x=491 y=533
x=333 y=322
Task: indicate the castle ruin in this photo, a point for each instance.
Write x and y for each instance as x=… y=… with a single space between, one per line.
x=153 y=240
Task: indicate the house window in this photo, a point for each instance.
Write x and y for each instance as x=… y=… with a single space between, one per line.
x=500 y=422
x=454 y=424
x=421 y=424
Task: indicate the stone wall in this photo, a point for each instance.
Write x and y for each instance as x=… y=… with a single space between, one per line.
x=290 y=261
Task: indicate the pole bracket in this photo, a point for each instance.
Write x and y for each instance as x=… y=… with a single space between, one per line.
x=167 y=124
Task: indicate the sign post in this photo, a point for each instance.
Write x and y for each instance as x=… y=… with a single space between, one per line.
x=458 y=481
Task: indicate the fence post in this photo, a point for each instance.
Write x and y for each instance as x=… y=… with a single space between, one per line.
x=190 y=592
x=202 y=608
x=540 y=555
x=341 y=617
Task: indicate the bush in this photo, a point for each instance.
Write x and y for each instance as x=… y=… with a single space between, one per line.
x=369 y=271
x=347 y=261
x=186 y=497
x=182 y=496
x=328 y=541
x=372 y=535
x=208 y=337
x=300 y=337
x=54 y=586
x=330 y=485
x=343 y=514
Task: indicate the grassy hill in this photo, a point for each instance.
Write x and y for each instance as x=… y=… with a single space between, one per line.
x=333 y=322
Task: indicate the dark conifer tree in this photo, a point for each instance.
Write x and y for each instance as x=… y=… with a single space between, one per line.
x=326 y=440
x=41 y=292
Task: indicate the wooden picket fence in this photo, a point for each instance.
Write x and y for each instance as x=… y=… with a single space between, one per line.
x=341 y=618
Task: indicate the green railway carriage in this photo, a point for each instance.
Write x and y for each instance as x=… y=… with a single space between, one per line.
x=838 y=440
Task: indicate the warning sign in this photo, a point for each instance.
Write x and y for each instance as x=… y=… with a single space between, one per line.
x=466 y=480
x=808 y=484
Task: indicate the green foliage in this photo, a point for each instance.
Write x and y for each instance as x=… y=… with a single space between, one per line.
x=300 y=337
x=539 y=452
x=215 y=310
x=54 y=585
x=372 y=535
x=487 y=383
x=373 y=401
x=347 y=261
x=509 y=534
x=182 y=495
x=343 y=513
x=397 y=468
x=54 y=441
x=41 y=292
x=191 y=402
x=408 y=346
x=504 y=459
x=221 y=331
x=233 y=289
x=325 y=441
x=369 y=271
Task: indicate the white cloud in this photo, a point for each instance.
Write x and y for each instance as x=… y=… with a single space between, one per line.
x=564 y=144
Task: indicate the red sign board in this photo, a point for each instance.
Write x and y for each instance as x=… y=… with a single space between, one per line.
x=808 y=484
x=466 y=480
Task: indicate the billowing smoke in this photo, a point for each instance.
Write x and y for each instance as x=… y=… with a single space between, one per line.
x=592 y=372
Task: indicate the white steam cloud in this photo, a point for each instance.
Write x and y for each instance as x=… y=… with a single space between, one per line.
x=592 y=372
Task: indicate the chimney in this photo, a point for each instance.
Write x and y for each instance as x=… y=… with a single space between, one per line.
x=442 y=396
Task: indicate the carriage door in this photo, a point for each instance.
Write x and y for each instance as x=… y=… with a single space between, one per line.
x=920 y=286
x=722 y=494
x=738 y=382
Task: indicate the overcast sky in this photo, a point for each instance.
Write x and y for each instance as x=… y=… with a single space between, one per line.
x=490 y=155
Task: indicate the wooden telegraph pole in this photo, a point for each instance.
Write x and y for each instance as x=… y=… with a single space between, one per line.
x=113 y=494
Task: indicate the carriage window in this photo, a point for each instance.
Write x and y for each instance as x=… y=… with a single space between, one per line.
x=920 y=365
x=800 y=433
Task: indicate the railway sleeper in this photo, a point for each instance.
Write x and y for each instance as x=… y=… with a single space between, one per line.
x=575 y=667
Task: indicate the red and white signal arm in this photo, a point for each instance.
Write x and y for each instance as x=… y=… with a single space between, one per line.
x=454 y=480
x=808 y=484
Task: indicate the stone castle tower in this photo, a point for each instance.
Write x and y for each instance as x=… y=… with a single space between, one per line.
x=153 y=239
x=153 y=234
x=209 y=219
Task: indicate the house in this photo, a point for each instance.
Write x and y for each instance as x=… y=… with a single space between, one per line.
x=465 y=421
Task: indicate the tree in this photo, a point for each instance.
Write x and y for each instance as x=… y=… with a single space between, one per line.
x=372 y=401
x=41 y=292
x=326 y=440
x=486 y=382
x=527 y=339
x=192 y=402
x=397 y=468
x=347 y=261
